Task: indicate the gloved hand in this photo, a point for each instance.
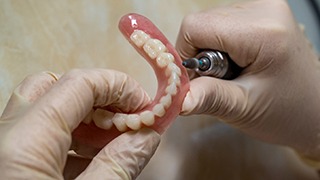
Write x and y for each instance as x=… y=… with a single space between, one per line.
x=277 y=96
x=36 y=126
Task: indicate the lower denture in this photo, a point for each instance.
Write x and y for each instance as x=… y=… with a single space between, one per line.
x=173 y=84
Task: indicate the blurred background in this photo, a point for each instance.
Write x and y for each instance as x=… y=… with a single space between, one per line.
x=61 y=35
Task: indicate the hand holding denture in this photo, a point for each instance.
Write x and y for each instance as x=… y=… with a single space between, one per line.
x=276 y=98
x=36 y=126
x=91 y=111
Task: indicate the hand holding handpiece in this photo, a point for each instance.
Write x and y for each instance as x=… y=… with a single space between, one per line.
x=276 y=97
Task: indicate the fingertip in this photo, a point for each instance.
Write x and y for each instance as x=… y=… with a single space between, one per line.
x=193 y=98
x=150 y=135
x=125 y=156
x=187 y=105
x=208 y=95
x=29 y=90
x=35 y=85
x=132 y=96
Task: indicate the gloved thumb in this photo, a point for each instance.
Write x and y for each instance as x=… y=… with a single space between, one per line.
x=221 y=98
x=124 y=157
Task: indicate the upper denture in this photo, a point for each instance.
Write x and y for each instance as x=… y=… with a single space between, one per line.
x=173 y=83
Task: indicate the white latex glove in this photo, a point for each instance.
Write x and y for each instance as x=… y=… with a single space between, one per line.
x=36 y=126
x=277 y=96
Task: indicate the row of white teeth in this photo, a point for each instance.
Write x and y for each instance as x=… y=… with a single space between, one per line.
x=157 y=51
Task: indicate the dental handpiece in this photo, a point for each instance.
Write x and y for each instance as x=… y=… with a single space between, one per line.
x=213 y=63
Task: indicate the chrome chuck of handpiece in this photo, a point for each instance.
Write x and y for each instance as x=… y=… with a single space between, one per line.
x=213 y=63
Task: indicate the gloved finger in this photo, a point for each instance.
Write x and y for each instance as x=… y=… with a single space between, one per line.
x=192 y=74
x=78 y=91
x=124 y=157
x=226 y=29
x=217 y=36
x=48 y=123
x=28 y=91
x=207 y=95
x=184 y=43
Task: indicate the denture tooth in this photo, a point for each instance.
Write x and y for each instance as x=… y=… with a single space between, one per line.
x=171 y=89
x=147 y=118
x=172 y=67
x=106 y=124
x=102 y=118
x=166 y=101
x=174 y=78
x=164 y=59
x=139 y=38
x=154 y=47
x=159 y=110
x=133 y=121
x=119 y=120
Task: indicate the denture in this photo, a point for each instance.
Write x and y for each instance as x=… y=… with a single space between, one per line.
x=173 y=84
